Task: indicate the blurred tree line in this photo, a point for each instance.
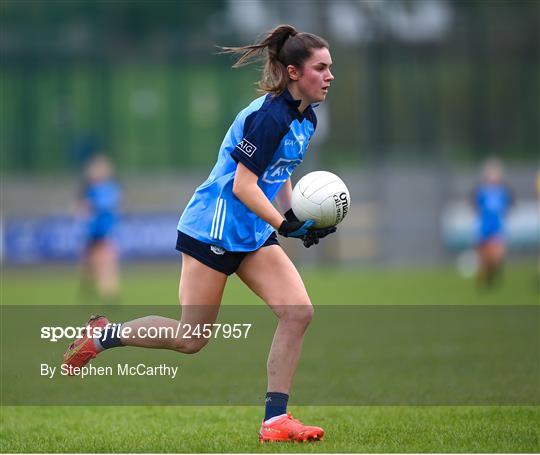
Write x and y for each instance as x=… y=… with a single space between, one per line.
x=141 y=80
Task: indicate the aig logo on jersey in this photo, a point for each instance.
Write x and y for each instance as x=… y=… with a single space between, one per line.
x=247 y=147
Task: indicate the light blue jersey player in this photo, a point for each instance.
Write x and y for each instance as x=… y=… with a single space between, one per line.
x=102 y=199
x=270 y=138
x=230 y=224
x=100 y=204
x=492 y=200
x=492 y=203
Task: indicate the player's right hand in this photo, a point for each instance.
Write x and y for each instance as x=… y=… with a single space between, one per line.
x=312 y=236
x=296 y=229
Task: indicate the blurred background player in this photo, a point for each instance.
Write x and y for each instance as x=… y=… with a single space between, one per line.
x=99 y=207
x=537 y=277
x=492 y=201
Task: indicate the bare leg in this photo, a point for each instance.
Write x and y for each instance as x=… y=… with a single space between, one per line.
x=106 y=270
x=272 y=276
x=491 y=255
x=87 y=283
x=481 y=274
x=200 y=293
x=496 y=251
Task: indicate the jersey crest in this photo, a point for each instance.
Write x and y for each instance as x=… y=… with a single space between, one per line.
x=280 y=171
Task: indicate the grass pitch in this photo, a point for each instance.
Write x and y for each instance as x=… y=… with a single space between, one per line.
x=234 y=429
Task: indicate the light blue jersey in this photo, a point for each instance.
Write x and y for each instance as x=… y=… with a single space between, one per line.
x=103 y=200
x=492 y=203
x=269 y=137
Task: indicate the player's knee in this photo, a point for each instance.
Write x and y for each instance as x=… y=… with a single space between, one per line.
x=298 y=314
x=307 y=314
x=194 y=347
x=189 y=346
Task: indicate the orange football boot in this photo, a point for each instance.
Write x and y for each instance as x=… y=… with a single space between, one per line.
x=82 y=350
x=286 y=428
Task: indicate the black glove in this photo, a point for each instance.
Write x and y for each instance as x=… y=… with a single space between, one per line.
x=297 y=229
x=312 y=236
x=290 y=216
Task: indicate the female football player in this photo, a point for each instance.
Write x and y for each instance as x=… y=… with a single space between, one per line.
x=492 y=200
x=229 y=226
x=99 y=205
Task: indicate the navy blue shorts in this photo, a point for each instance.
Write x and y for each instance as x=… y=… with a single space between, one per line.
x=214 y=256
x=97 y=236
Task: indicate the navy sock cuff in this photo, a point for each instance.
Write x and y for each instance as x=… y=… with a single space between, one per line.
x=110 y=338
x=276 y=404
x=277 y=396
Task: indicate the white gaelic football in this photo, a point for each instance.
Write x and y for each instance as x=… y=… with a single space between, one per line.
x=322 y=197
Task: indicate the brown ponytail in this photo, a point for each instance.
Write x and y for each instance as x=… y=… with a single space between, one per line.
x=279 y=48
